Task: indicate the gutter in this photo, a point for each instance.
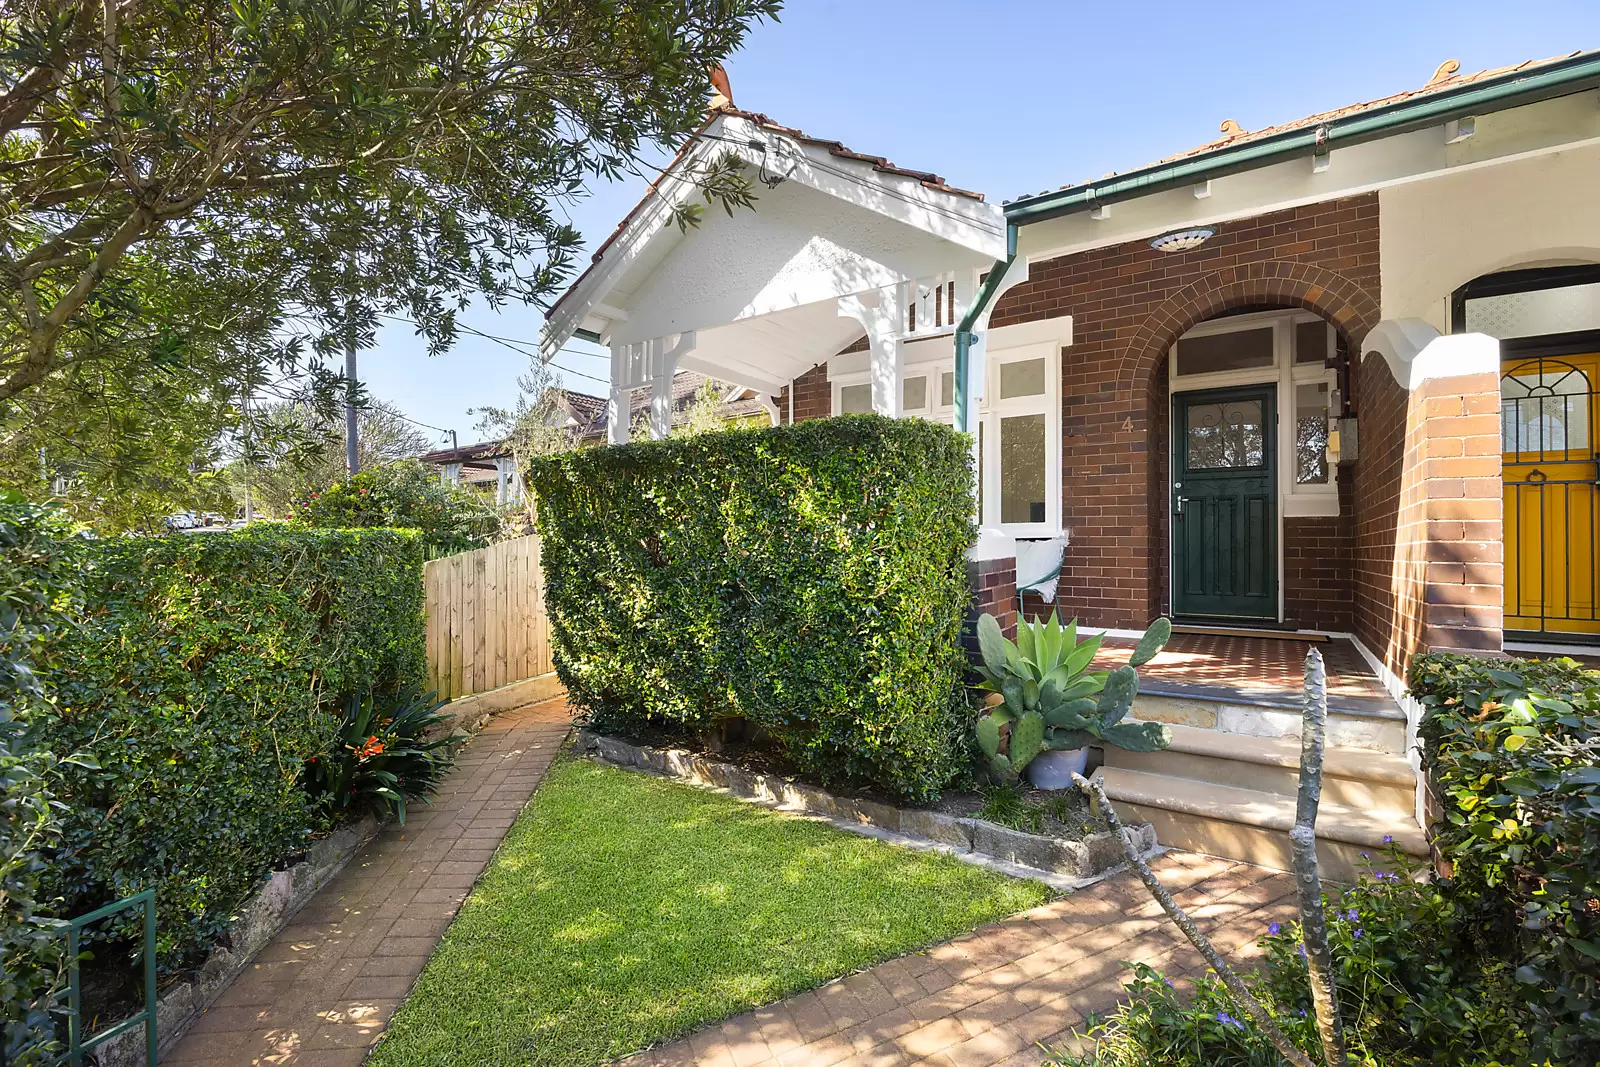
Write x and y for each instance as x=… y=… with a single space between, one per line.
x=1561 y=78
x=991 y=284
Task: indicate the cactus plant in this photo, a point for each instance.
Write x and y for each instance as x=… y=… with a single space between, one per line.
x=1051 y=698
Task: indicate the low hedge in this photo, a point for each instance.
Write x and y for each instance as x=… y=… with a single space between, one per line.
x=1512 y=749
x=810 y=579
x=205 y=671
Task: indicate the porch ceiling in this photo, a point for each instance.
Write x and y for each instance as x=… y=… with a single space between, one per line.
x=769 y=351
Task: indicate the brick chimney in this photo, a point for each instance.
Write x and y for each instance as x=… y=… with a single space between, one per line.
x=723 y=96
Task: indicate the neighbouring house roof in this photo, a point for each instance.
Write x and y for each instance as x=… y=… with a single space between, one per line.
x=1445 y=79
x=589 y=418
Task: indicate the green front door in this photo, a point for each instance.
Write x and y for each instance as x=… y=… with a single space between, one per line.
x=1224 y=504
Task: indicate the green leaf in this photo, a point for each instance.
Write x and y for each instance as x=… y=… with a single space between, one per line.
x=1071 y=715
x=992 y=646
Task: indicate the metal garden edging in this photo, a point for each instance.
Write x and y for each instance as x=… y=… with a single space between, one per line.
x=77 y=1043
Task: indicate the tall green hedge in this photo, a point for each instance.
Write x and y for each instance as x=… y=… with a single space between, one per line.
x=205 y=670
x=810 y=579
x=39 y=563
x=1512 y=749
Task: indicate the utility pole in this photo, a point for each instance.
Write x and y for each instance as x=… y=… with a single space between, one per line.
x=352 y=456
x=249 y=462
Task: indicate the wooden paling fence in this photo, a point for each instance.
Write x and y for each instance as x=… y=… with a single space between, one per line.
x=486 y=621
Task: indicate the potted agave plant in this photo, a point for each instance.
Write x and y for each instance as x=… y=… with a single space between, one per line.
x=1052 y=707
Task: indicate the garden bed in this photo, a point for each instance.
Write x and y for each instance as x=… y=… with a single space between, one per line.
x=1066 y=860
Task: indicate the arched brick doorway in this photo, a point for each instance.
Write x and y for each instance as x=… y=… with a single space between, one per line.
x=1141 y=381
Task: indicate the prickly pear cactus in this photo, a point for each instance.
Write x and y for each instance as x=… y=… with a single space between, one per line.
x=1138 y=736
x=1153 y=641
x=988 y=731
x=1027 y=739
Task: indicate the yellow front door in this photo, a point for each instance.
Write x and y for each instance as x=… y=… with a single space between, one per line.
x=1551 y=463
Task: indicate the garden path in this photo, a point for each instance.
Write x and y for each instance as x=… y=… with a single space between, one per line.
x=321 y=993
x=991 y=998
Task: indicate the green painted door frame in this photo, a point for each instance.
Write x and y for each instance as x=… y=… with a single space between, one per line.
x=1225 y=503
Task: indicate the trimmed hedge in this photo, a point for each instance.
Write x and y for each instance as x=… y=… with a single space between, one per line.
x=39 y=561
x=206 y=670
x=810 y=579
x=1512 y=749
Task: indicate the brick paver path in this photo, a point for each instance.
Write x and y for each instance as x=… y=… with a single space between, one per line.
x=991 y=997
x=321 y=993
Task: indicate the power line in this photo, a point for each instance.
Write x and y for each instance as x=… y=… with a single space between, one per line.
x=513 y=344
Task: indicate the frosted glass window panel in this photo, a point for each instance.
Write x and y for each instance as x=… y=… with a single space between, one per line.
x=947 y=389
x=1567 y=309
x=1226 y=435
x=1022 y=468
x=1311 y=434
x=914 y=394
x=1239 y=350
x=1022 y=378
x=1311 y=342
x=855 y=399
x=1545 y=415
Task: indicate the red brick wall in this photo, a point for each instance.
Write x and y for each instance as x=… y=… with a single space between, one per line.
x=994 y=591
x=813 y=396
x=1129 y=304
x=1430 y=573
x=1318 y=562
x=1381 y=403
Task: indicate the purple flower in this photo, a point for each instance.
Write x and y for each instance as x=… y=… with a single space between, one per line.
x=1388 y=839
x=1352 y=915
x=1355 y=934
x=1227 y=1020
x=1274 y=929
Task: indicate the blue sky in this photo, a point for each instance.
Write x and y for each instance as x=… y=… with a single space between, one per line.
x=1015 y=96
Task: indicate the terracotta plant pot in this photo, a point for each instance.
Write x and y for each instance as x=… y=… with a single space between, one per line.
x=1054 y=769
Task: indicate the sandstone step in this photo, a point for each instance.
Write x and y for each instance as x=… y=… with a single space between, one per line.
x=1354 y=778
x=1252 y=825
x=1372 y=726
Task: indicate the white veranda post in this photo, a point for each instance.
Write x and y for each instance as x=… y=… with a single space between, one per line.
x=639 y=363
x=884 y=314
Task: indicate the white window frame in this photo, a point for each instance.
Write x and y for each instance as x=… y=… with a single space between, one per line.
x=1025 y=342
x=1295 y=501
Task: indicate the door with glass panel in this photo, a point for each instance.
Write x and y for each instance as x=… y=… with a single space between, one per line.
x=1550 y=470
x=1224 y=504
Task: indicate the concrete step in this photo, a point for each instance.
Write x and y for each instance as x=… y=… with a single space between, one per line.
x=1353 y=778
x=1372 y=726
x=1252 y=825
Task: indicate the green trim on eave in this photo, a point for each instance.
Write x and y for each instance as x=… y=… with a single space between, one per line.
x=586 y=335
x=1561 y=78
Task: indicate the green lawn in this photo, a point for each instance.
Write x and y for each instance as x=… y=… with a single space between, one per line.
x=623 y=909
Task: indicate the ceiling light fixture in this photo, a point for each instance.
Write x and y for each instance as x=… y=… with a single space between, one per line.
x=1183 y=240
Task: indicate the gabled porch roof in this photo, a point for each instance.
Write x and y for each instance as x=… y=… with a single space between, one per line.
x=759 y=296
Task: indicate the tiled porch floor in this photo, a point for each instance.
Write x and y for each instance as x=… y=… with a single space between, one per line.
x=1250 y=669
